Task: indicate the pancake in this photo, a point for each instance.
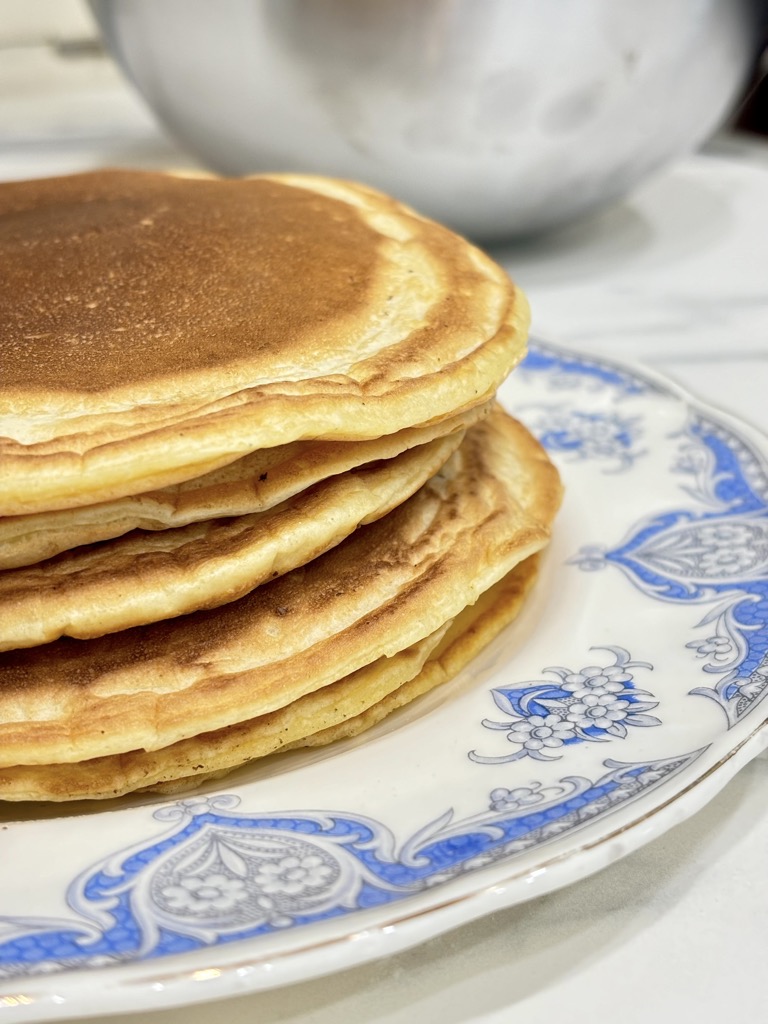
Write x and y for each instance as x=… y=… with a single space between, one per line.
x=154 y=328
x=472 y=630
x=386 y=587
x=256 y=482
x=338 y=711
x=144 y=577
x=200 y=757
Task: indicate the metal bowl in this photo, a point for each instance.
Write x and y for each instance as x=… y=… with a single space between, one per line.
x=499 y=117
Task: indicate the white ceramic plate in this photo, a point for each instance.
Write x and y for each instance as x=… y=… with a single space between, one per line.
x=627 y=694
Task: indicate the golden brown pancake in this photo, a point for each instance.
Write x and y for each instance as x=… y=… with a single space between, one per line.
x=144 y=577
x=335 y=712
x=255 y=482
x=154 y=327
x=472 y=630
x=386 y=587
x=201 y=756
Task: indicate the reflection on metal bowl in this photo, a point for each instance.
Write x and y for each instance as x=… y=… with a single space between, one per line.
x=500 y=117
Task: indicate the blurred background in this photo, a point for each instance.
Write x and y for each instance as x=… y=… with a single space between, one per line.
x=502 y=119
x=61 y=95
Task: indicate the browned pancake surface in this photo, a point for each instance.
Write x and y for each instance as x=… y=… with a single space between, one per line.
x=154 y=327
x=384 y=588
x=335 y=712
x=145 y=273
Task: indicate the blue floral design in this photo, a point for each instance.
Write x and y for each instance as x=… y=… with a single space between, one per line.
x=219 y=874
x=714 y=554
x=578 y=434
x=592 y=704
x=565 y=371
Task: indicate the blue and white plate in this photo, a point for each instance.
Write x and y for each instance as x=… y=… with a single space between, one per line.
x=629 y=691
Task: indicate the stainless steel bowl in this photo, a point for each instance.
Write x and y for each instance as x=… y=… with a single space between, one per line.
x=500 y=117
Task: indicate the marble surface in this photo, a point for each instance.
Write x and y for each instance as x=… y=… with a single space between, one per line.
x=675 y=277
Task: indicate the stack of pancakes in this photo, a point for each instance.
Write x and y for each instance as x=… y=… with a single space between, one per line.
x=255 y=492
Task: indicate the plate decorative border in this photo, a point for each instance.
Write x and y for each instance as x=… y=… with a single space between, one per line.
x=217 y=876
x=222 y=873
x=712 y=550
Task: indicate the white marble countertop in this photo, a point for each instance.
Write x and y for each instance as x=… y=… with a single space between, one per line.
x=675 y=276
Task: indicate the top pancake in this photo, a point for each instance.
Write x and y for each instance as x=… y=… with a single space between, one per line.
x=153 y=327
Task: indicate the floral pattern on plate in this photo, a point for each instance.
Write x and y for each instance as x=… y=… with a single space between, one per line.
x=593 y=704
